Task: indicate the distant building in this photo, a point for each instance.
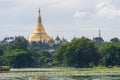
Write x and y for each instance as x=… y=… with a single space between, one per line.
x=39 y=34
x=98 y=39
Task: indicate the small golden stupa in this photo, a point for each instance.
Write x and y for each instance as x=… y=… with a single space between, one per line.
x=39 y=34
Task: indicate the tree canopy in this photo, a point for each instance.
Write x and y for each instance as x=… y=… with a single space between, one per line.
x=80 y=52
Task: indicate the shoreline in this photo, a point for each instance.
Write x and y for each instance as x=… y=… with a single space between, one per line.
x=60 y=72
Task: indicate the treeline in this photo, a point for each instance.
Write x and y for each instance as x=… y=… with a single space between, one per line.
x=18 y=53
x=81 y=52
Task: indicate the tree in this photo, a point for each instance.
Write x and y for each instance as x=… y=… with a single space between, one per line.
x=4 y=61
x=114 y=40
x=40 y=58
x=1 y=52
x=109 y=54
x=18 y=58
x=19 y=43
x=78 y=53
x=59 y=56
x=45 y=58
x=4 y=46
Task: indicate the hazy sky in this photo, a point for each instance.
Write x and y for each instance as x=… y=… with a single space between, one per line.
x=65 y=18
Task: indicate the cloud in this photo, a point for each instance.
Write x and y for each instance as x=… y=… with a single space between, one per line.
x=103 y=9
x=57 y=14
x=66 y=3
x=55 y=3
x=107 y=10
x=80 y=14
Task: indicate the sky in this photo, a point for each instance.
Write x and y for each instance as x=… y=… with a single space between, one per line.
x=66 y=18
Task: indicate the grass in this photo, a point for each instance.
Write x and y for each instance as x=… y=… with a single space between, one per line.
x=66 y=71
x=4 y=67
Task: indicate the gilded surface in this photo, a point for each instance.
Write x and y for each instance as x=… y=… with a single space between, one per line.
x=39 y=33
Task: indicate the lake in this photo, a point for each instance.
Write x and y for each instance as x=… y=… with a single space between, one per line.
x=62 y=74
x=66 y=78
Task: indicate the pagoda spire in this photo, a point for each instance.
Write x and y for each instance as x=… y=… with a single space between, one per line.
x=99 y=33
x=39 y=16
x=39 y=34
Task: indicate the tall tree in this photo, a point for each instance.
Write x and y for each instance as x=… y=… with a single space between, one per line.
x=79 y=53
x=1 y=52
x=115 y=40
x=18 y=58
x=41 y=58
x=59 y=56
x=20 y=43
x=109 y=54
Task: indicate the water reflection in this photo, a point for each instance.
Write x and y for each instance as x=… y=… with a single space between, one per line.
x=35 y=78
x=66 y=78
x=76 y=78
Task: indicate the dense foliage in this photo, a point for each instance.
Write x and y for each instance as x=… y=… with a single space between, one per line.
x=17 y=53
x=84 y=52
x=78 y=53
x=81 y=52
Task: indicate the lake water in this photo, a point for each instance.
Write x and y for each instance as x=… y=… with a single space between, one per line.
x=66 y=78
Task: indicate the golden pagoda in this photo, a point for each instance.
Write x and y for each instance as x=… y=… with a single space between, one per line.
x=39 y=33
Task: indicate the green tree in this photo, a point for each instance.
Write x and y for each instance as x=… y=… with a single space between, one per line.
x=19 y=43
x=4 y=46
x=1 y=52
x=79 y=53
x=4 y=61
x=103 y=52
x=109 y=54
x=18 y=58
x=40 y=58
x=114 y=40
x=60 y=53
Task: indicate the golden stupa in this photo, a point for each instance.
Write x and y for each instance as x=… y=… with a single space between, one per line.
x=39 y=34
